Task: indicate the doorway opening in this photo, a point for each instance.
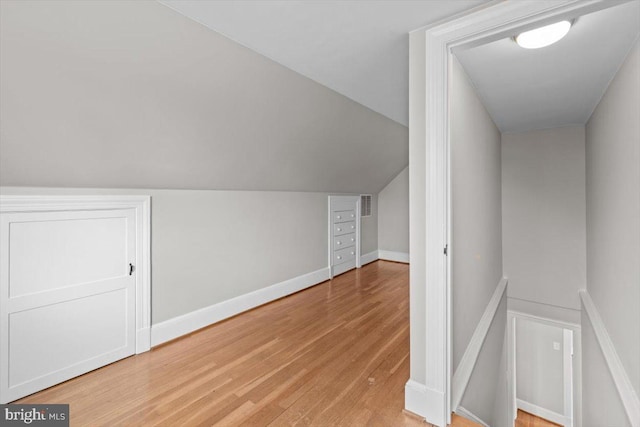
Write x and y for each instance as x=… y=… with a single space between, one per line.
x=545 y=370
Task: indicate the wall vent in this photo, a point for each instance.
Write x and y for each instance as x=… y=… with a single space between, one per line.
x=365 y=205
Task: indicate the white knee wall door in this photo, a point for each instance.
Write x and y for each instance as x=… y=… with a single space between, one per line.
x=69 y=287
x=344 y=233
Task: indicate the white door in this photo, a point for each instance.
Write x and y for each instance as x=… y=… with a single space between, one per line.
x=67 y=295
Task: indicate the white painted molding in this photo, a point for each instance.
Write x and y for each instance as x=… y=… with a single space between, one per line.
x=393 y=256
x=430 y=56
x=545 y=320
x=465 y=368
x=543 y=413
x=369 y=258
x=187 y=323
x=143 y=340
x=420 y=399
x=142 y=206
x=470 y=416
x=627 y=394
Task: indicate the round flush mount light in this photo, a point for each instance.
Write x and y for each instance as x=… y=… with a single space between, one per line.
x=543 y=36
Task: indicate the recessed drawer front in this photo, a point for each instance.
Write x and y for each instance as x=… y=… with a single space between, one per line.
x=344 y=241
x=344 y=228
x=344 y=255
x=344 y=216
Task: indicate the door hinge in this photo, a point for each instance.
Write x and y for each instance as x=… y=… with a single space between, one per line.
x=446 y=249
x=131 y=268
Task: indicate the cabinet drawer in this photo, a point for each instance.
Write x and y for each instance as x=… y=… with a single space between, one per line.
x=344 y=255
x=344 y=228
x=344 y=216
x=344 y=241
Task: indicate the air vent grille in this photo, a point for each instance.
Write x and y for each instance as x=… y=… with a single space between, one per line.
x=365 y=205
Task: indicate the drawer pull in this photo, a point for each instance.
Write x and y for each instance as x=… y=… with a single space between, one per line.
x=353 y=253
x=353 y=240
x=353 y=226
x=352 y=215
x=339 y=229
x=338 y=242
x=339 y=217
x=339 y=257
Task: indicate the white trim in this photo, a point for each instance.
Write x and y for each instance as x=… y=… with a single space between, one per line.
x=142 y=207
x=470 y=416
x=567 y=381
x=543 y=413
x=337 y=270
x=393 y=256
x=430 y=57
x=627 y=394
x=465 y=368
x=545 y=320
x=414 y=395
x=369 y=258
x=187 y=323
x=418 y=399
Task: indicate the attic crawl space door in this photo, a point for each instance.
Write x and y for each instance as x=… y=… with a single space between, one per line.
x=68 y=288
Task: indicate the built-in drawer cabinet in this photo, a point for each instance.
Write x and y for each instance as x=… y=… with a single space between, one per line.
x=344 y=216
x=344 y=255
x=344 y=228
x=344 y=233
x=344 y=241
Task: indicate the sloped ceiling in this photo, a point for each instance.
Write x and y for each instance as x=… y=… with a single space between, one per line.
x=358 y=48
x=559 y=85
x=131 y=94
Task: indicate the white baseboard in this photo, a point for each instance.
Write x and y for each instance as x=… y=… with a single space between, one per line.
x=470 y=416
x=425 y=402
x=628 y=396
x=181 y=325
x=393 y=256
x=542 y=412
x=368 y=258
x=465 y=368
x=143 y=340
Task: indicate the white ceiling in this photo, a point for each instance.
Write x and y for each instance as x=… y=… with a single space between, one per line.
x=357 y=48
x=558 y=85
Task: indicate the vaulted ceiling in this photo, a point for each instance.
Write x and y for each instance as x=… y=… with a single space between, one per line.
x=357 y=48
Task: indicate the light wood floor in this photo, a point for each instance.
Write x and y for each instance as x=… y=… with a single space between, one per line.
x=334 y=354
x=526 y=419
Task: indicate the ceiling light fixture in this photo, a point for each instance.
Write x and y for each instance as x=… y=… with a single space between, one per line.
x=543 y=36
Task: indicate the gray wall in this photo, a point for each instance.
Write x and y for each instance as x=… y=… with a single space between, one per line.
x=502 y=416
x=476 y=244
x=602 y=406
x=539 y=367
x=488 y=375
x=613 y=226
x=393 y=214
x=131 y=94
x=543 y=216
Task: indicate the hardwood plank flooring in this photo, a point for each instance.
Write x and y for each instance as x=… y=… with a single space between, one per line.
x=526 y=419
x=334 y=354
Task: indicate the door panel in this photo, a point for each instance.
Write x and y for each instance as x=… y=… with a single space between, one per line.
x=68 y=300
x=50 y=254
